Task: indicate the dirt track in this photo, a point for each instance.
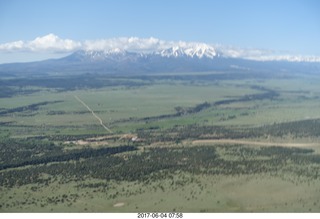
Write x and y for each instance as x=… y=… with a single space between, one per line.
x=95 y=115
x=259 y=143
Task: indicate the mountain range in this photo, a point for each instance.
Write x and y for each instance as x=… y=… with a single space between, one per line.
x=195 y=58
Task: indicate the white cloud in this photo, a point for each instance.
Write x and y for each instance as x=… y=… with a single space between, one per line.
x=235 y=52
x=264 y=54
x=48 y=43
x=290 y=58
x=13 y=46
x=127 y=43
x=53 y=44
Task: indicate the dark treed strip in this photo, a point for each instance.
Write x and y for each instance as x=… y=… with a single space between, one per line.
x=72 y=155
x=34 y=107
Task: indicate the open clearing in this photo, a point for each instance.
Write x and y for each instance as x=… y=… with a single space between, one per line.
x=250 y=142
x=119 y=204
x=219 y=193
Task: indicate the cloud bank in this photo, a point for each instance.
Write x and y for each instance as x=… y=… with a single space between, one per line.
x=48 y=43
x=53 y=44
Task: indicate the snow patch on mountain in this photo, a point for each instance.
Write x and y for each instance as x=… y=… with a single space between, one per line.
x=193 y=51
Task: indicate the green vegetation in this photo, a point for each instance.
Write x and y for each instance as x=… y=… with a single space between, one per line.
x=196 y=142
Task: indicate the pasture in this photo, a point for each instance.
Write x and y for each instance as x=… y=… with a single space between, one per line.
x=227 y=145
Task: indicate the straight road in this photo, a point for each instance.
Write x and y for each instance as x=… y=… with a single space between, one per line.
x=95 y=115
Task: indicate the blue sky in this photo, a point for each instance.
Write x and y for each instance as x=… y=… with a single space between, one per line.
x=288 y=26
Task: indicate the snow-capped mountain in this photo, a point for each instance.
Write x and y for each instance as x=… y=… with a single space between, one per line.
x=172 y=52
x=102 y=49
x=196 y=51
x=181 y=57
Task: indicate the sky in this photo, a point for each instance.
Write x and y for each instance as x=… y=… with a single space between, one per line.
x=37 y=29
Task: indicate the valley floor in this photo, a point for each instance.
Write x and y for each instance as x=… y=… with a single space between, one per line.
x=161 y=144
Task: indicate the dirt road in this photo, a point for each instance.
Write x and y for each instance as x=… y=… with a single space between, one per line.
x=95 y=115
x=259 y=143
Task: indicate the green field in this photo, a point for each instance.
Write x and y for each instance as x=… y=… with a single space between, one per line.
x=56 y=156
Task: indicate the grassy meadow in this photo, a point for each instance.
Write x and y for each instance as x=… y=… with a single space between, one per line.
x=49 y=142
x=202 y=194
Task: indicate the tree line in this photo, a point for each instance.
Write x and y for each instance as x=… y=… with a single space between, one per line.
x=19 y=153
